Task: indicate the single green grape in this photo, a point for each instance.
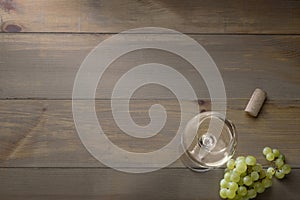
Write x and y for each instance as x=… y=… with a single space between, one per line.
x=250 y=160
x=262 y=174
x=251 y=193
x=267 y=150
x=223 y=193
x=223 y=183
x=270 y=156
x=234 y=177
x=266 y=182
x=231 y=164
x=242 y=191
x=237 y=197
x=258 y=186
x=236 y=171
x=226 y=170
x=276 y=153
x=233 y=186
x=271 y=170
x=279 y=162
x=241 y=167
x=230 y=194
x=254 y=176
x=245 y=198
x=247 y=180
x=286 y=169
x=279 y=174
x=227 y=176
x=282 y=157
x=261 y=189
x=257 y=167
x=240 y=158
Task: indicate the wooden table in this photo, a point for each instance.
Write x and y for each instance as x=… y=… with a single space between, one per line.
x=43 y=43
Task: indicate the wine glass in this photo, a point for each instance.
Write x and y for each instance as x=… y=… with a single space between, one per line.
x=208 y=141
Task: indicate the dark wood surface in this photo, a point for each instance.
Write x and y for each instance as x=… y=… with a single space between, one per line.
x=41 y=133
x=45 y=65
x=254 y=44
x=237 y=16
x=95 y=183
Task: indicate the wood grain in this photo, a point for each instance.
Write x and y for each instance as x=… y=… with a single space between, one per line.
x=58 y=183
x=45 y=65
x=41 y=133
x=267 y=17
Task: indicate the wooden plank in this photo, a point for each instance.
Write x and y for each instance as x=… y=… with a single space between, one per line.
x=269 y=16
x=58 y=183
x=45 y=65
x=41 y=133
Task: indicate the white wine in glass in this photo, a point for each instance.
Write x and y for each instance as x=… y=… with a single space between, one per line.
x=209 y=141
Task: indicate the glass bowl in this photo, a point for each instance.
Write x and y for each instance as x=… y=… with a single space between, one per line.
x=209 y=141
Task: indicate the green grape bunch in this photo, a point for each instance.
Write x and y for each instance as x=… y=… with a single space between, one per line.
x=244 y=178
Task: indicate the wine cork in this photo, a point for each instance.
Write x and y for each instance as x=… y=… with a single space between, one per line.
x=256 y=101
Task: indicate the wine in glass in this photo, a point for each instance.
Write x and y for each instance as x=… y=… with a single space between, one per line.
x=209 y=141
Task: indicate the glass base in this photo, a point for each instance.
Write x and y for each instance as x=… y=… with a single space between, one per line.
x=192 y=165
x=208 y=141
